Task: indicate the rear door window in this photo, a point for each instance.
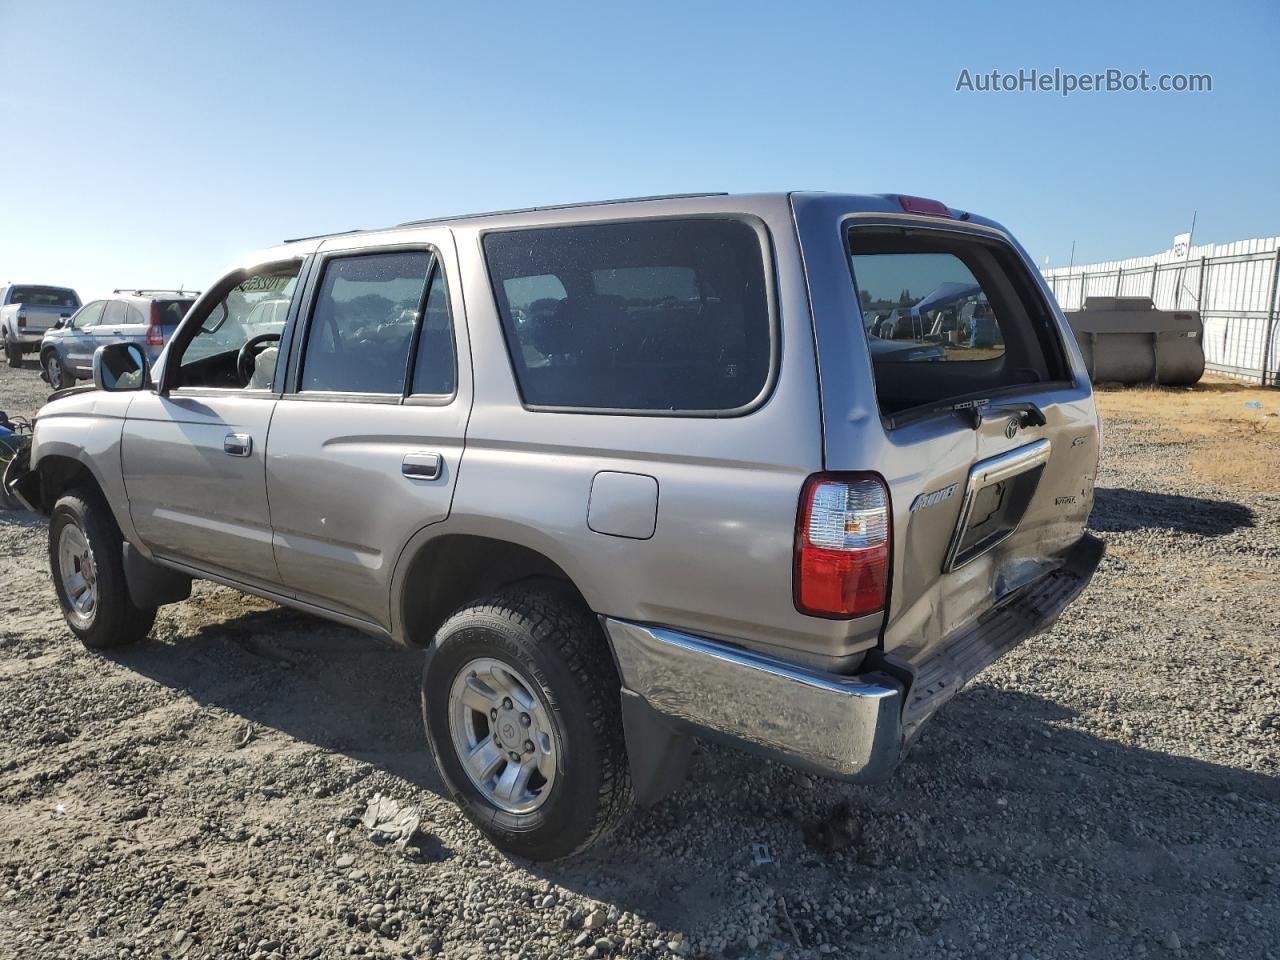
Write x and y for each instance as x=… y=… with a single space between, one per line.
x=435 y=367
x=115 y=314
x=363 y=322
x=644 y=316
x=948 y=317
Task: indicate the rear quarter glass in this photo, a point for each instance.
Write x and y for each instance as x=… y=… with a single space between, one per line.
x=648 y=316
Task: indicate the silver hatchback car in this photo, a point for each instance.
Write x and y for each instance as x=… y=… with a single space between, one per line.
x=630 y=473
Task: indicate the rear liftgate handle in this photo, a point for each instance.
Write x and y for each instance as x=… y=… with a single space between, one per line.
x=1029 y=415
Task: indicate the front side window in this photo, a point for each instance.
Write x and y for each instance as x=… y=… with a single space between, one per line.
x=363 y=322
x=89 y=316
x=644 y=316
x=228 y=348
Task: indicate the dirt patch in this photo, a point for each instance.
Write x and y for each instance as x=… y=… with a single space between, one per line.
x=1230 y=431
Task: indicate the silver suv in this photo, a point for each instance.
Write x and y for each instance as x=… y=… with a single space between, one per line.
x=145 y=317
x=629 y=473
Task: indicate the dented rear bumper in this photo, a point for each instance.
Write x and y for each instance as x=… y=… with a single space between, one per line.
x=852 y=728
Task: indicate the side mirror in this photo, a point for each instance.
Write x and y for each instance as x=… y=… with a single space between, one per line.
x=59 y=324
x=121 y=366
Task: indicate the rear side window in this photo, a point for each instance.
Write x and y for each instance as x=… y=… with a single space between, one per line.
x=363 y=323
x=646 y=316
x=947 y=317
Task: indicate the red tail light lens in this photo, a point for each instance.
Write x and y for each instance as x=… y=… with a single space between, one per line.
x=842 y=546
x=22 y=320
x=155 y=329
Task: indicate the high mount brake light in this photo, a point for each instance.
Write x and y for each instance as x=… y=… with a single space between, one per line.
x=923 y=205
x=843 y=533
x=155 y=329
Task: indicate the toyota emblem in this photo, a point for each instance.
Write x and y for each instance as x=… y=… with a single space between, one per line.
x=1011 y=428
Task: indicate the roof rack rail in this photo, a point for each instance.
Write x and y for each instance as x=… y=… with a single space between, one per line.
x=321 y=236
x=147 y=291
x=563 y=206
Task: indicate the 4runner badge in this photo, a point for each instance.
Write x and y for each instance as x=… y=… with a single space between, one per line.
x=937 y=496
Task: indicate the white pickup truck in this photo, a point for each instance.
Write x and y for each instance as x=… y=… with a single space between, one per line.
x=27 y=310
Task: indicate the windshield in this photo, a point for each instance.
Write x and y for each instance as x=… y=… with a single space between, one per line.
x=45 y=297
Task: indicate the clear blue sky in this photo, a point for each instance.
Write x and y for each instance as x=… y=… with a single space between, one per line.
x=153 y=143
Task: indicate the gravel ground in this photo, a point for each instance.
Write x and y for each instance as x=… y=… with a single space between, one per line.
x=1110 y=789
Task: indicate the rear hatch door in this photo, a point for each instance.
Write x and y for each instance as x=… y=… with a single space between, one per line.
x=948 y=373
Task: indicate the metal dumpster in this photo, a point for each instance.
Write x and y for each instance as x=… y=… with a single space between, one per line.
x=1127 y=340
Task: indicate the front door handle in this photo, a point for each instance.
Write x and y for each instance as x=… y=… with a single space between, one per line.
x=421 y=465
x=237 y=444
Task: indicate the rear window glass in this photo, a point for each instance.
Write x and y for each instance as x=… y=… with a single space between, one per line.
x=172 y=311
x=45 y=297
x=948 y=317
x=659 y=315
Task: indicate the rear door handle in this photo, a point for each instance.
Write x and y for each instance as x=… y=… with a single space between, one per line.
x=421 y=465
x=237 y=444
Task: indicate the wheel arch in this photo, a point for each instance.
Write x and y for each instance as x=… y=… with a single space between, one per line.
x=58 y=470
x=437 y=574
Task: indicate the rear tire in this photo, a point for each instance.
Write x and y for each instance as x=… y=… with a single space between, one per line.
x=542 y=664
x=86 y=556
x=13 y=353
x=56 y=372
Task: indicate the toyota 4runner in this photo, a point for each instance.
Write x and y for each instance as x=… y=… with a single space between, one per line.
x=629 y=472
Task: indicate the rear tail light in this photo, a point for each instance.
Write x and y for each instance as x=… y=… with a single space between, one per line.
x=842 y=546
x=22 y=320
x=155 y=329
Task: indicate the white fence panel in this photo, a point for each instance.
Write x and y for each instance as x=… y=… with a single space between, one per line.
x=1233 y=285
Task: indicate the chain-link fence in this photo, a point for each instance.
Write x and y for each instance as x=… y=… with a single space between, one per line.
x=1233 y=285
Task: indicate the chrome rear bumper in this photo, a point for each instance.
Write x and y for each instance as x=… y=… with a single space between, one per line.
x=843 y=727
x=853 y=728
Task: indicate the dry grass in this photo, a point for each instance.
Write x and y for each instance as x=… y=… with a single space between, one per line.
x=1228 y=443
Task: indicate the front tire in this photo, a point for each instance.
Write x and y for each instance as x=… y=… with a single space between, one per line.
x=521 y=703
x=86 y=556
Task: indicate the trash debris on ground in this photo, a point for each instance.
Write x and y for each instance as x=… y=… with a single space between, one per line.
x=245 y=737
x=388 y=822
x=1253 y=404
x=59 y=810
x=760 y=854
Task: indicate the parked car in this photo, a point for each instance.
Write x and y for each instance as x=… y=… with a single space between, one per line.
x=145 y=317
x=682 y=498
x=27 y=310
